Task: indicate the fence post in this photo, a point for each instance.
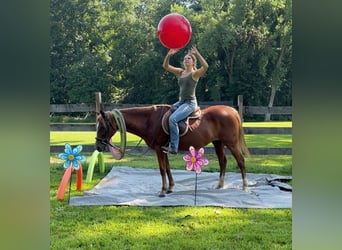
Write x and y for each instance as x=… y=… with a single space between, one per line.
x=240 y=106
x=98 y=102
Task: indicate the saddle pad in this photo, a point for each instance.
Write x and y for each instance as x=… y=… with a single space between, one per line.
x=140 y=187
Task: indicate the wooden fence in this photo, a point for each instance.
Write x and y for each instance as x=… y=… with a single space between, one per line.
x=243 y=110
x=92 y=108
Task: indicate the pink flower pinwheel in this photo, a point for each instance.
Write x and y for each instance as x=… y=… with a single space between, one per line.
x=195 y=162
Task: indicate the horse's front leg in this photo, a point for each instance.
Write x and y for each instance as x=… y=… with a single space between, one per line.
x=169 y=175
x=164 y=169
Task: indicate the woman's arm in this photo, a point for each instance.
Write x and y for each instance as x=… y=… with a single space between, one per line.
x=204 y=65
x=166 y=63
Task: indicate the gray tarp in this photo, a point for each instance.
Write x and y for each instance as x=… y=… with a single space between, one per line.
x=140 y=187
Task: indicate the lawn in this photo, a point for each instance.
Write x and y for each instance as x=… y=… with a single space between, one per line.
x=260 y=140
x=124 y=227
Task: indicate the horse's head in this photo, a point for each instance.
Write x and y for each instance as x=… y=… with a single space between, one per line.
x=106 y=127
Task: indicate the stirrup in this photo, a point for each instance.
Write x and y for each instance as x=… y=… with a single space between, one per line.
x=167 y=150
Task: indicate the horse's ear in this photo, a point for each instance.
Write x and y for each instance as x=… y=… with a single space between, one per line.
x=102 y=113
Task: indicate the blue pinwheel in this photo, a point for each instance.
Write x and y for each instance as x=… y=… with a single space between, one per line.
x=72 y=156
x=72 y=161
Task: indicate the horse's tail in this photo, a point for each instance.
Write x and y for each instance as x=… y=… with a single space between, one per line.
x=242 y=143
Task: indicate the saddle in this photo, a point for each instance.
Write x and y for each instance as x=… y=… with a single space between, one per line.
x=183 y=125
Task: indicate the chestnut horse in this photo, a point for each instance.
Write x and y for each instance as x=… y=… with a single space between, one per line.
x=219 y=124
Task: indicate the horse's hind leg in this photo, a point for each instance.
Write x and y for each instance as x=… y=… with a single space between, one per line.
x=219 y=149
x=241 y=163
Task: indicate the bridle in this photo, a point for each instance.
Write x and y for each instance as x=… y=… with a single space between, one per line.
x=121 y=126
x=105 y=141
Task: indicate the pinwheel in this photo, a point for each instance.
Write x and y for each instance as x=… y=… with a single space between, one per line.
x=194 y=162
x=72 y=161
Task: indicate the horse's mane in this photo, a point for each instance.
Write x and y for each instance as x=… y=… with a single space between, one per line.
x=149 y=107
x=161 y=106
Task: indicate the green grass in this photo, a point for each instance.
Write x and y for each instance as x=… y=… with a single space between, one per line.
x=260 y=140
x=59 y=138
x=272 y=124
x=110 y=227
x=124 y=227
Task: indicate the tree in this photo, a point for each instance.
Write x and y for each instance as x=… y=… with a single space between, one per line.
x=79 y=53
x=281 y=55
x=111 y=46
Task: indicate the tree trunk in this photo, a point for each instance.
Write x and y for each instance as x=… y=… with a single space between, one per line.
x=270 y=104
x=229 y=65
x=274 y=83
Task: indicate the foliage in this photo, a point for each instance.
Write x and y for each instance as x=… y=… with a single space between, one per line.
x=112 y=47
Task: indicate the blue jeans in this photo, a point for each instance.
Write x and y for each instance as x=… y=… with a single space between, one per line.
x=183 y=110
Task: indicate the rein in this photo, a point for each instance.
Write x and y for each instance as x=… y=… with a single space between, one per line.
x=153 y=137
x=122 y=128
x=160 y=120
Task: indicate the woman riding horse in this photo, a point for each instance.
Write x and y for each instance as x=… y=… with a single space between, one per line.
x=187 y=81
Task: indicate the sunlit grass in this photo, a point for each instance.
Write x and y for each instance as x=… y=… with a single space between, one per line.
x=58 y=138
x=122 y=227
x=268 y=141
x=88 y=137
x=280 y=124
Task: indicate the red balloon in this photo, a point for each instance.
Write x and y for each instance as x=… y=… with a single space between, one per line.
x=174 y=31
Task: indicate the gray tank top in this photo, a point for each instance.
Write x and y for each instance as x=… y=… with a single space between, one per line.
x=187 y=87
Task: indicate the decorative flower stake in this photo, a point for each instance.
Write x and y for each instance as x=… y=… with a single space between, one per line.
x=72 y=160
x=194 y=162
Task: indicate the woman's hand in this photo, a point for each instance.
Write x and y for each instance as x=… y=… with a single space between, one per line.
x=166 y=63
x=193 y=50
x=204 y=65
x=172 y=51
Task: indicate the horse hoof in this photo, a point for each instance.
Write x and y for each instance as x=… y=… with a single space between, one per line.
x=169 y=191
x=245 y=184
x=162 y=195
